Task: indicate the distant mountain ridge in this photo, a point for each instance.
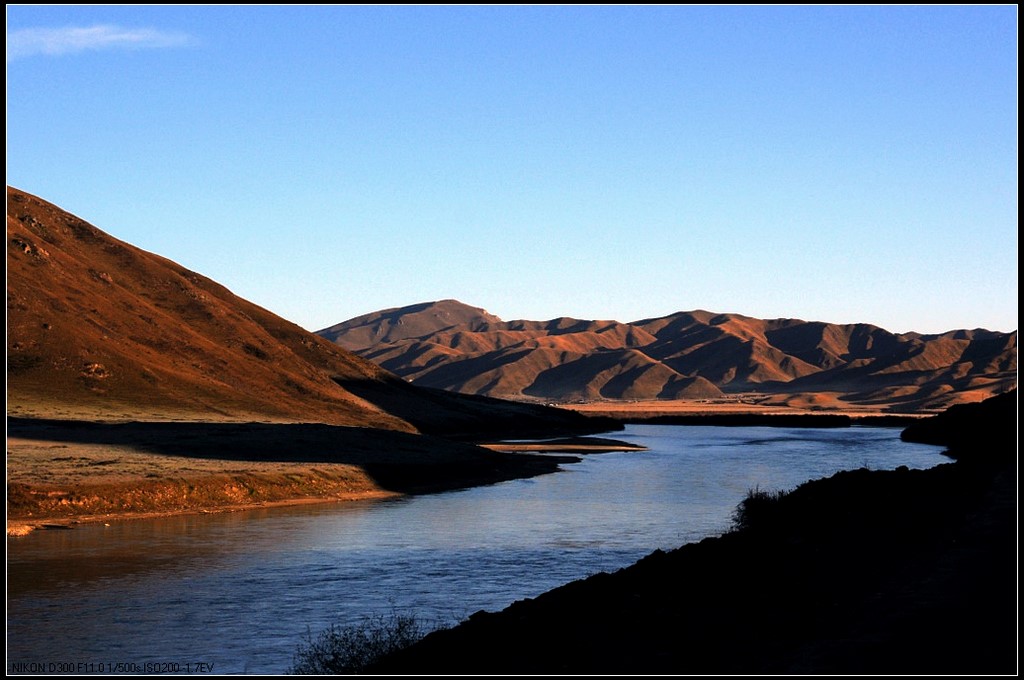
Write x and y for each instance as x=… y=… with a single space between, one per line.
x=686 y=355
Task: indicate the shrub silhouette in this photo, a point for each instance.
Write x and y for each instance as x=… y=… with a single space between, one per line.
x=351 y=649
x=757 y=509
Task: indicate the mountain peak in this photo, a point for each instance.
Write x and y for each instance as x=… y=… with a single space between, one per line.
x=404 y=323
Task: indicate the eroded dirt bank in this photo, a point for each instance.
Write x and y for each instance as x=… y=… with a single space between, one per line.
x=65 y=471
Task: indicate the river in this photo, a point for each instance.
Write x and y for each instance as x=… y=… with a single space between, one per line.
x=240 y=591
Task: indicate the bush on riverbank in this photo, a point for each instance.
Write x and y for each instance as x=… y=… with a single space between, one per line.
x=351 y=649
x=759 y=506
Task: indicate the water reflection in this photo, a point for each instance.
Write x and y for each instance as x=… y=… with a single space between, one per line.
x=54 y=560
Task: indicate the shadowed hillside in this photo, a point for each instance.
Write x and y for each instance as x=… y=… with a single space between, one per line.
x=99 y=329
x=687 y=355
x=961 y=428
x=866 y=572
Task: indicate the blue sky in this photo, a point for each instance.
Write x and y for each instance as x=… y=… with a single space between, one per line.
x=845 y=164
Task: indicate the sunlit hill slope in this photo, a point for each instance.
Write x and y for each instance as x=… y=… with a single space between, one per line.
x=100 y=329
x=686 y=355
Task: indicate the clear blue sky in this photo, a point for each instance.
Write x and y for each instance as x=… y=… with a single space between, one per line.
x=845 y=164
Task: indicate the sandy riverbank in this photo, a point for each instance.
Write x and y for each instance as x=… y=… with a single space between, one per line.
x=62 y=472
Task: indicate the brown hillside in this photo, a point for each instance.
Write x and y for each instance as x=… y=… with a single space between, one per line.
x=622 y=374
x=100 y=329
x=504 y=372
x=689 y=355
x=414 y=321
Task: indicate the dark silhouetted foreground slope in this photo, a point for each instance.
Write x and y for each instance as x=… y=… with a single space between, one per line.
x=972 y=431
x=905 y=572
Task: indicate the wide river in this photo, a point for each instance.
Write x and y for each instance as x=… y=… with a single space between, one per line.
x=241 y=590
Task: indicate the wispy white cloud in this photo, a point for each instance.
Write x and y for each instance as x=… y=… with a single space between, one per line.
x=29 y=42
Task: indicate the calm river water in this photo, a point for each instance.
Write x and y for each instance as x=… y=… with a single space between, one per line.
x=241 y=590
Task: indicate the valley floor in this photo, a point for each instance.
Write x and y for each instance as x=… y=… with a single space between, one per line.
x=740 y=404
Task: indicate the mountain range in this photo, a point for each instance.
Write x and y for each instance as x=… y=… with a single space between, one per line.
x=695 y=355
x=98 y=329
